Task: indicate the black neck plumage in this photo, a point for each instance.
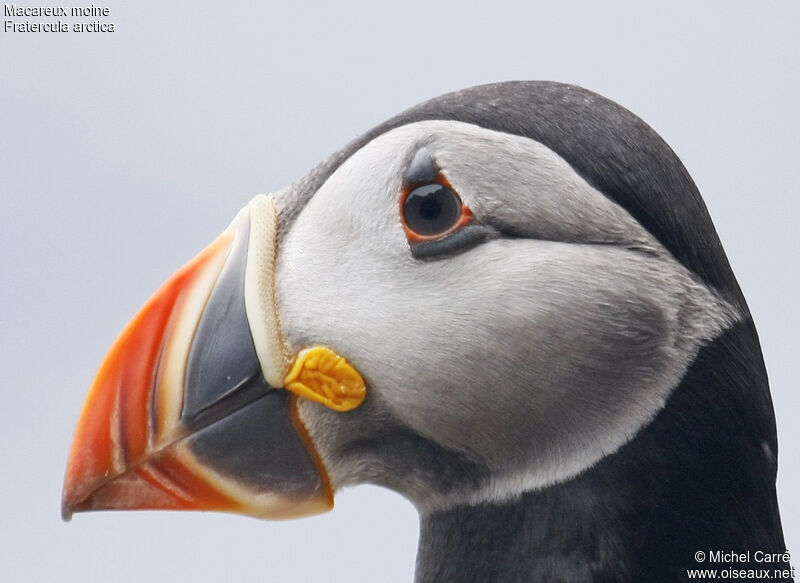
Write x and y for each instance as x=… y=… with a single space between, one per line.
x=700 y=477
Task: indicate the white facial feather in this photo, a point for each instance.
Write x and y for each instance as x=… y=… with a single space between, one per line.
x=534 y=354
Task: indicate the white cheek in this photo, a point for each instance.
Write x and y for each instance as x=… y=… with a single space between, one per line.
x=531 y=360
x=338 y=255
x=538 y=358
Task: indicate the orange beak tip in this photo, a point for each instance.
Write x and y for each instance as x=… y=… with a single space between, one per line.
x=181 y=416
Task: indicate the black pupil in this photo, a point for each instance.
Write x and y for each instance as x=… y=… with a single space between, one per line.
x=432 y=209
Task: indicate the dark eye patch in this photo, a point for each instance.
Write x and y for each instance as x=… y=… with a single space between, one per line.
x=460 y=240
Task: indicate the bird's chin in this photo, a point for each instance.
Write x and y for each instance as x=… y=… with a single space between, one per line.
x=183 y=414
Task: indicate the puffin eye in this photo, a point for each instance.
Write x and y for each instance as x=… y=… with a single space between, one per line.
x=431 y=210
x=437 y=223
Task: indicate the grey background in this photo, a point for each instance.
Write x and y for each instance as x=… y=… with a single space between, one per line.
x=122 y=154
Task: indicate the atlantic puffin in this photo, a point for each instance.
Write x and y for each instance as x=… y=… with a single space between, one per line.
x=509 y=304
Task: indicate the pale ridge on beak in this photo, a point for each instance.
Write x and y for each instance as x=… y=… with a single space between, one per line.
x=260 y=300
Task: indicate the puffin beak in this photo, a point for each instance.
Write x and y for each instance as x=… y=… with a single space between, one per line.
x=190 y=410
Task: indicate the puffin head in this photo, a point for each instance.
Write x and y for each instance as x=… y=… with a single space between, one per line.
x=487 y=296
